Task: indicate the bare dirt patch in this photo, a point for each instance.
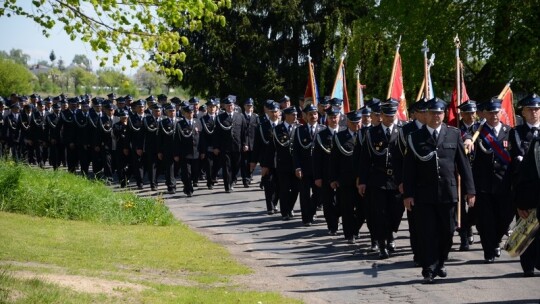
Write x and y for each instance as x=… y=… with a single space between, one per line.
x=82 y=283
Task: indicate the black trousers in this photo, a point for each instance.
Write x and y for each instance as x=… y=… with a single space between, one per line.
x=270 y=185
x=211 y=165
x=190 y=169
x=414 y=237
x=85 y=156
x=287 y=191
x=309 y=198
x=231 y=164
x=72 y=157
x=151 y=166
x=54 y=155
x=352 y=209
x=122 y=166
x=245 y=170
x=494 y=215
x=330 y=205
x=137 y=164
x=436 y=225
x=530 y=258
x=107 y=161
x=386 y=210
x=168 y=165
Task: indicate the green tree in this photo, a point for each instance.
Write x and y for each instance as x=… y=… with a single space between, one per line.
x=82 y=80
x=52 y=57
x=14 y=77
x=82 y=60
x=121 y=29
x=110 y=79
x=149 y=80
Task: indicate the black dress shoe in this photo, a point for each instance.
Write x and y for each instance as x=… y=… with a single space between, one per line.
x=332 y=232
x=441 y=272
x=489 y=260
x=153 y=188
x=270 y=212
x=528 y=274
x=189 y=194
x=285 y=218
x=210 y=186
x=307 y=224
x=391 y=246
x=498 y=252
x=464 y=246
x=227 y=190
x=140 y=187
x=383 y=254
x=246 y=184
x=195 y=185
x=428 y=279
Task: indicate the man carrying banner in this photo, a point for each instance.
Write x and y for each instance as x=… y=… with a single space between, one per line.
x=434 y=156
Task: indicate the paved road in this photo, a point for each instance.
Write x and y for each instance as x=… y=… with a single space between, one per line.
x=306 y=263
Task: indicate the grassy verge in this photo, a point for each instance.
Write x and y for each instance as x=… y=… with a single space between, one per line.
x=174 y=264
x=58 y=194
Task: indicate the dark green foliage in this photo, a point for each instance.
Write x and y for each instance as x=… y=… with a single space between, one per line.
x=262 y=51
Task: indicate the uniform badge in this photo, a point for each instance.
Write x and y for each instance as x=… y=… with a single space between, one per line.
x=505 y=144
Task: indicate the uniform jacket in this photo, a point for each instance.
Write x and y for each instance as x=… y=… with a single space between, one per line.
x=230 y=133
x=432 y=180
x=303 y=148
x=344 y=158
x=491 y=175
x=528 y=182
x=281 y=147
x=136 y=128
x=168 y=140
x=208 y=125
x=150 y=134
x=376 y=165
x=190 y=139
x=324 y=142
x=263 y=146
x=252 y=123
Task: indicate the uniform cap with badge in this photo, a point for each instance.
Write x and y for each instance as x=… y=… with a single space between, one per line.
x=493 y=105
x=290 y=110
x=530 y=101
x=354 y=116
x=468 y=106
x=436 y=105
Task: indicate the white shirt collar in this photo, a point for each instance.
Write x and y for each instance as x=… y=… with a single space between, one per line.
x=430 y=129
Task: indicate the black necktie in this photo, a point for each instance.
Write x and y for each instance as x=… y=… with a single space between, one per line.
x=388 y=133
x=289 y=129
x=355 y=137
x=312 y=131
x=435 y=134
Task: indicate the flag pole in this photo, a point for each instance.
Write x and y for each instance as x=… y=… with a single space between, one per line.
x=458 y=102
x=398 y=45
x=359 y=92
x=431 y=63
x=425 y=50
x=311 y=74
x=505 y=89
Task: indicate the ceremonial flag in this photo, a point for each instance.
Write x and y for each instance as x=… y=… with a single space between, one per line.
x=359 y=94
x=340 y=86
x=507 y=106
x=311 y=95
x=396 y=89
x=453 y=114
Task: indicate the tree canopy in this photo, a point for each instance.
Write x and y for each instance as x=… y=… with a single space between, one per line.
x=130 y=28
x=263 y=49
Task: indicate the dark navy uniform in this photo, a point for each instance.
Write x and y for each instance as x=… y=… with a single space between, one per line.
x=121 y=132
x=303 y=161
x=69 y=133
x=12 y=132
x=211 y=164
x=525 y=152
x=376 y=171
x=287 y=182
x=168 y=147
x=103 y=143
x=252 y=124
x=324 y=143
x=191 y=148
x=343 y=170
x=151 y=126
x=229 y=140
x=84 y=140
x=136 y=127
x=429 y=178
x=54 y=137
x=264 y=153
x=491 y=170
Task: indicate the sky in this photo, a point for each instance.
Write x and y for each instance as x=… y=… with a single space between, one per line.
x=22 y=33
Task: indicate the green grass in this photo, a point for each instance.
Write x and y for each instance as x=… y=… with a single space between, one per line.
x=141 y=254
x=58 y=194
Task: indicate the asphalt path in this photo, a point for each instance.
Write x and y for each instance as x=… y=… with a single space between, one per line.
x=308 y=264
